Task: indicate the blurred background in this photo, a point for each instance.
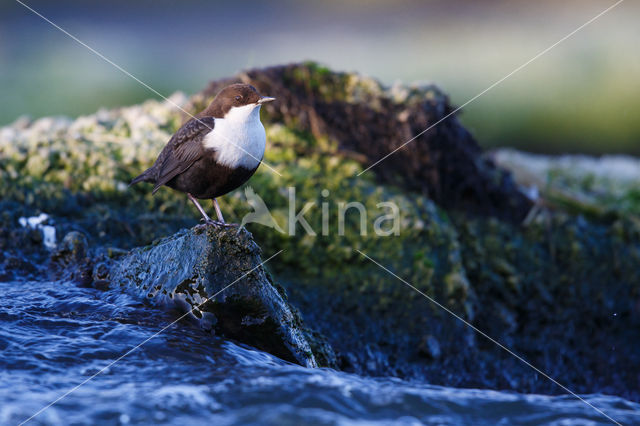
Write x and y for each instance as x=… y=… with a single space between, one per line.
x=583 y=96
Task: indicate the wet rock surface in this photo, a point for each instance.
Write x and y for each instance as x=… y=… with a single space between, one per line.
x=214 y=273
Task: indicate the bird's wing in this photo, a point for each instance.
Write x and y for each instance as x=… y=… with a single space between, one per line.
x=184 y=148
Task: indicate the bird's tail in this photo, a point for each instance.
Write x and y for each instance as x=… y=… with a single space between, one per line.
x=146 y=176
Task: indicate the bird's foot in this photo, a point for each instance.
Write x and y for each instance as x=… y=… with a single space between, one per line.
x=217 y=223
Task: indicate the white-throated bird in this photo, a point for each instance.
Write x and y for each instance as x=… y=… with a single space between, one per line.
x=215 y=152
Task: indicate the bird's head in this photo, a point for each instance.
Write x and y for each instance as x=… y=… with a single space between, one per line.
x=236 y=98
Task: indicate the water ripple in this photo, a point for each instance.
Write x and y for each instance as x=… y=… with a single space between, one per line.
x=54 y=335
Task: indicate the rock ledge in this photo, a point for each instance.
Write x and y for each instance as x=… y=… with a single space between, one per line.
x=192 y=266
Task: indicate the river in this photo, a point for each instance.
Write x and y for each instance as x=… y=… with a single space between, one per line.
x=55 y=335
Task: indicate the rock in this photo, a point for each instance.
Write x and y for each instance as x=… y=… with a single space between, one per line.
x=215 y=274
x=100 y=276
x=73 y=249
x=369 y=121
x=602 y=188
x=71 y=262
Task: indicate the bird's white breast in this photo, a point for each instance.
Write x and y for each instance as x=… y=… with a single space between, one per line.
x=239 y=138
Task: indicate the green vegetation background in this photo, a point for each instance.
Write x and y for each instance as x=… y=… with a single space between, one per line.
x=582 y=96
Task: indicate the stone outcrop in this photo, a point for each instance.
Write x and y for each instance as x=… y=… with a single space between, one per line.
x=215 y=274
x=370 y=121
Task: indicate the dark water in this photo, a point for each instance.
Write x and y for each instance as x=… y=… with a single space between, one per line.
x=54 y=335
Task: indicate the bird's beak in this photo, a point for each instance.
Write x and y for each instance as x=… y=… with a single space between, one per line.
x=265 y=99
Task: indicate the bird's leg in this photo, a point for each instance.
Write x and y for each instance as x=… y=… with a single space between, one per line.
x=219 y=213
x=206 y=218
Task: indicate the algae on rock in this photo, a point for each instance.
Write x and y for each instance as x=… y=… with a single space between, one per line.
x=369 y=121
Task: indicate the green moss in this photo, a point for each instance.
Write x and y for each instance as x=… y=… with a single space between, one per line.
x=78 y=171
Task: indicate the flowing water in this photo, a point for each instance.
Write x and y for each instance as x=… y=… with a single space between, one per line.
x=54 y=336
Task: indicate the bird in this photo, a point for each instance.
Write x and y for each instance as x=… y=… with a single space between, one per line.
x=214 y=152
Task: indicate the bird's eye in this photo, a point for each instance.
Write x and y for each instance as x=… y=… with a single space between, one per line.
x=238 y=97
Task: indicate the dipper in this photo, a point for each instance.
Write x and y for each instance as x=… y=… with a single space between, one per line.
x=215 y=152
